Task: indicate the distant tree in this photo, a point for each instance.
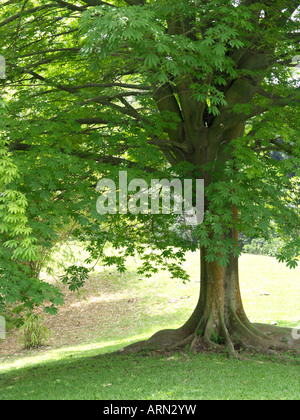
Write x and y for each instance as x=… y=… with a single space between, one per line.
x=160 y=88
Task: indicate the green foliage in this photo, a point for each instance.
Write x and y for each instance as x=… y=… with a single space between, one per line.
x=261 y=246
x=33 y=331
x=93 y=89
x=75 y=277
x=216 y=338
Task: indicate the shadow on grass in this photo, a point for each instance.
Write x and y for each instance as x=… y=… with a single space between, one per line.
x=153 y=377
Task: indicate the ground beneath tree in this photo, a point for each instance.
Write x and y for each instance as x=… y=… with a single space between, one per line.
x=113 y=307
x=109 y=307
x=97 y=308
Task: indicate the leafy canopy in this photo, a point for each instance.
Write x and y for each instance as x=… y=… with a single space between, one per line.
x=96 y=87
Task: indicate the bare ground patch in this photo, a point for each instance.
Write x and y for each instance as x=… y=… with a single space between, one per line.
x=94 y=312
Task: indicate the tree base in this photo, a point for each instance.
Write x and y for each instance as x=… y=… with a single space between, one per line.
x=260 y=338
x=219 y=322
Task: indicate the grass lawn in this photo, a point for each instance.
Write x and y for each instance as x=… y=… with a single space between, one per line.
x=172 y=377
x=117 y=310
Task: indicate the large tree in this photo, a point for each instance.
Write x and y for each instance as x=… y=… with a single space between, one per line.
x=193 y=89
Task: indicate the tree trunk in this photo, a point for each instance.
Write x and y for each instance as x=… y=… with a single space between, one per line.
x=219 y=317
x=219 y=321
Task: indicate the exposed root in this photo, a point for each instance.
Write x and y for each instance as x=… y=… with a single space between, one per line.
x=214 y=335
x=163 y=340
x=228 y=342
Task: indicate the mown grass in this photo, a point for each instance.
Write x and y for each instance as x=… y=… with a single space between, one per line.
x=270 y=292
x=175 y=376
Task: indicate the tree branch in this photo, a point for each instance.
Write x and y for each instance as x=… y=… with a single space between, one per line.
x=228 y=120
x=70 y=6
x=44 y=52
x=98 y=3
x=166 y=101
x=43 y=79
x=134 y=2
x=92 y=120
x=116 y=84
x=17 y=15
x=283 y=146
x=276 y=99
x=115 y=160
